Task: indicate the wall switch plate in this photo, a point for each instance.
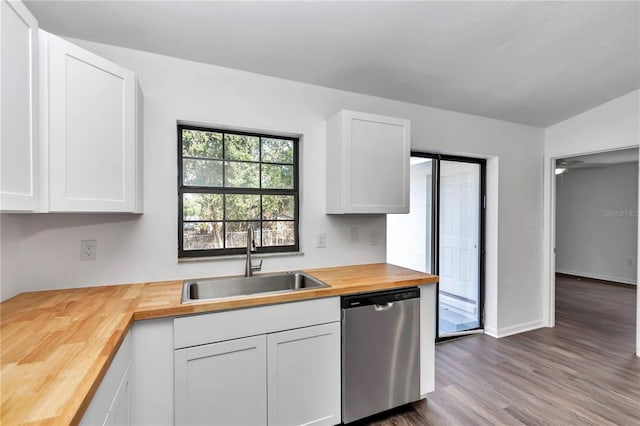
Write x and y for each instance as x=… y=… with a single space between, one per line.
x=373 y=236
x=321 y=240
x=353 y=234
x=88 y=249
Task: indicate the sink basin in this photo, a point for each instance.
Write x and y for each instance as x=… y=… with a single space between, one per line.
x=223 y=288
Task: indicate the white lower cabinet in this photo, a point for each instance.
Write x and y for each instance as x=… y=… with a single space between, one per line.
x=286 y=378
x=120 y=412
x=110 y=404
x=285 y=375
x=222 y=383
x=304 y=376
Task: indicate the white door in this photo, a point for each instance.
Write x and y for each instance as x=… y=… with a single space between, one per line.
x=459 y=226
x=222 y=383
x=19 y=122
x=92 y=131
x=304 y=376
x=459 y=246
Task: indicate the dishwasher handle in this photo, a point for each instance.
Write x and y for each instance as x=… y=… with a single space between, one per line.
x=384 y=307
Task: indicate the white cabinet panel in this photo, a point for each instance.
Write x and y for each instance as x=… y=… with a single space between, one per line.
x=259 y=361
x=119 y=414
x=19 y=122
x=222 y=383
x=110 y=404
x=427 y=339
x=215 y=327
x=92 y=134
x=367 y=163
x=304 y=376
x=152 y=377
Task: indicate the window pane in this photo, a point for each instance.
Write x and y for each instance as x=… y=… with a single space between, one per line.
x=277 y=177
x=277 y=234
x=241 y=148
x=196 y=143
x=202 y=206
x=278 y=207
x=201 y=173
x=242 y=175
x=277 y=150
x=242 y=207
x=236 y=235
x=202 y=235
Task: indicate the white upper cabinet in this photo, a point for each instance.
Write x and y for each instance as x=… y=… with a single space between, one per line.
x=367 y=163
x=19 y=122
x=91 y=131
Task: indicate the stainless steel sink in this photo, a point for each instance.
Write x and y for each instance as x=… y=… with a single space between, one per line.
x=223 y=288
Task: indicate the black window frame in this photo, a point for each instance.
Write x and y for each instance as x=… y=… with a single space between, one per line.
x=182 y=253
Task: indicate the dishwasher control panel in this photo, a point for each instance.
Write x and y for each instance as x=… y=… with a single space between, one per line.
x=381 y=297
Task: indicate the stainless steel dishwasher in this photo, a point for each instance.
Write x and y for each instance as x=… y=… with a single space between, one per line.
x=380 y=351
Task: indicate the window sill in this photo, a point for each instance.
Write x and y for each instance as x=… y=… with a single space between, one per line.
x=239 y=256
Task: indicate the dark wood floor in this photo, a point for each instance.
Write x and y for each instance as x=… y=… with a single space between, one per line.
x=582 y=372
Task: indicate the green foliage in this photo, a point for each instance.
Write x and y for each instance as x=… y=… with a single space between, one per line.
x=196 y=143
x=277 y=151
x=241 y=148
x=277 y=176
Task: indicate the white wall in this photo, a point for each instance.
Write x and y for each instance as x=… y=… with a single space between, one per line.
x=133 y=249
x=409 y=235
x=10 y=245
x=613 y=125
x=596 y=223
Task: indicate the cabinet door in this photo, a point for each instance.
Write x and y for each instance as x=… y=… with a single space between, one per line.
x=92 y=131
x=110 y=404
x=18 y=147
x=371 y=155
x=120 y=412
x=222 y=383
x=304 y=376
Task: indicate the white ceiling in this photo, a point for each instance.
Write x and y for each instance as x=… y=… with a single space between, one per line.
x=533 y=62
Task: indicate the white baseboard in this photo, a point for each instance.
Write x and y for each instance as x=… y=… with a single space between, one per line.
x=596 y=276
x=491 y=331
x=514 y=329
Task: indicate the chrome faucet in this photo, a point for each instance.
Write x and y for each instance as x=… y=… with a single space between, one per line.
x=251 y=247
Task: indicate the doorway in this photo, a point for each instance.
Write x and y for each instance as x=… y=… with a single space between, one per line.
x=443 y=234
x=596 y=230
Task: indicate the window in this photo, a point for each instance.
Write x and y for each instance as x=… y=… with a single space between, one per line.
x=231 y=180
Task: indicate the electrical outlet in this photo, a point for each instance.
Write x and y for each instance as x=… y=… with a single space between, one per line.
x=321 y=240
x=88 y=249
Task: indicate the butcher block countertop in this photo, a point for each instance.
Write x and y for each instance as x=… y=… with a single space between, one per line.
x=56 y=346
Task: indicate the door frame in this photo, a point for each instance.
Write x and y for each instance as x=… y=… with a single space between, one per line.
x=435 y=234
x=549 y=238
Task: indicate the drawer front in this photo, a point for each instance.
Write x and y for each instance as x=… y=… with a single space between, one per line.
x=219 y=326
